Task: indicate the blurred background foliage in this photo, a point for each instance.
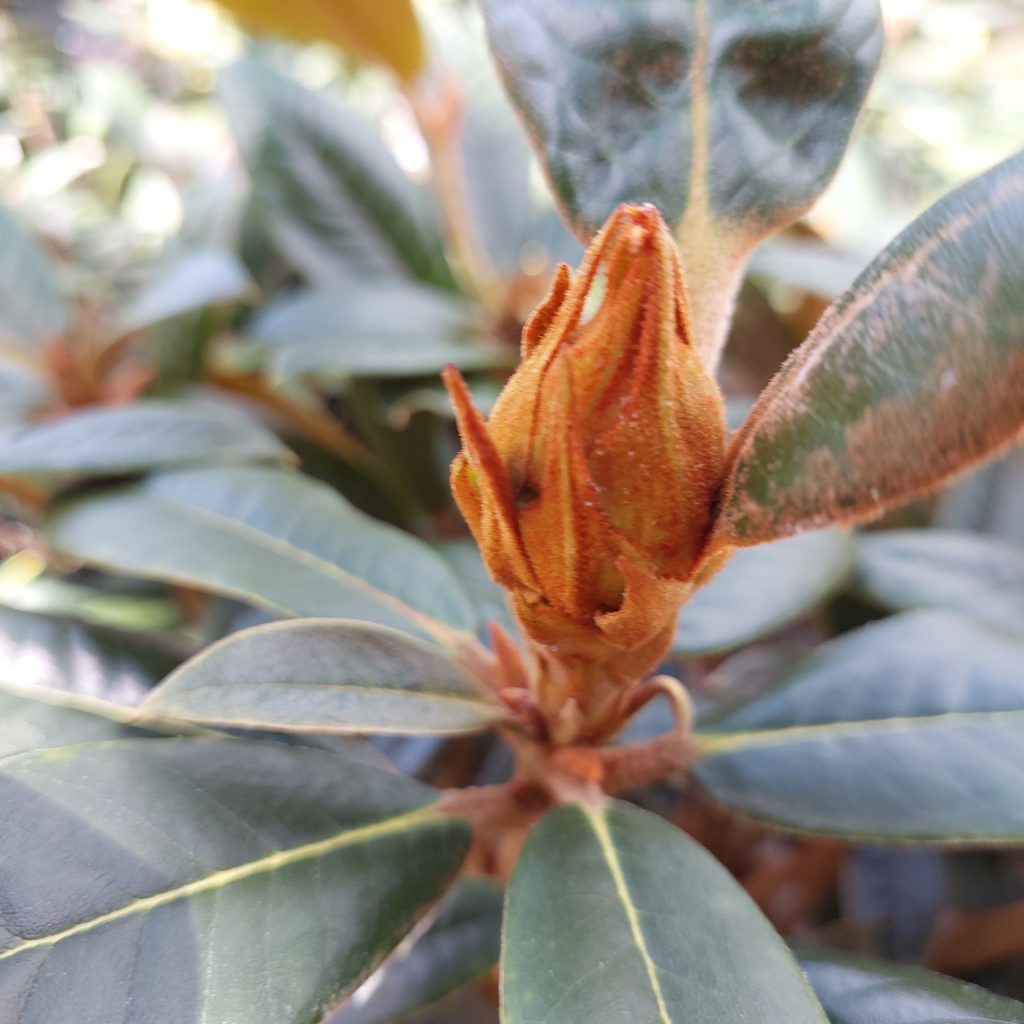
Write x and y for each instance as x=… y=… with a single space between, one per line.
x=189 y=212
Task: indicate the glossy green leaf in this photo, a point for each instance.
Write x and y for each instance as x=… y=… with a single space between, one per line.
x=334 y=199
x=32 y=308
x=978 y=576
x=911 y=728
x=857 y=990
x=729 y=116
x=915 y=374
x=82 y=666
x=267 y=536
x=762 y=589
x=379 y=329
x=461 y=944
x=204 y=278
x=188 y=881
x=615 y=915
x=320 y=675
x=148 y=434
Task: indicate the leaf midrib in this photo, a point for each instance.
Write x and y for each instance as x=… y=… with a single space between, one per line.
x=219 y=879
x=718 y=744
x=599 y=824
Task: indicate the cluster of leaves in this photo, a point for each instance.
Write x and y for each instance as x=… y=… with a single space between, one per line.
x=199 y=636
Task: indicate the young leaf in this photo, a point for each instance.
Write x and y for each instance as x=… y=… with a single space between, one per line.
x=762 y=589
x=273 y=538
x=32 y=308
x=856 y=990
x=207 y=880
x=380 y=30
x=909 y=729
x=730 y=118
x=319 y=675
x=461 y=944
x=915 y=374
x=978 y=576
x=613 y=914
x=336 y=202
x=148 y=434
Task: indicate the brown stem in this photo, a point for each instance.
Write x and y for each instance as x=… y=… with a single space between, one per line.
x=642 y=764
x=439 y=116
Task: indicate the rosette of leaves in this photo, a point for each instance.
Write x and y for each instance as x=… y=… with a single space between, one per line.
x=159 y=866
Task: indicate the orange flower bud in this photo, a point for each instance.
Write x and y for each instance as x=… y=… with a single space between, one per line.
x=590 y=487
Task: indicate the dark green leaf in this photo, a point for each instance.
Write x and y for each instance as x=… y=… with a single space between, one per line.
x=34 y=722
x=32 y=308
x=762 y=589
x=380 y=329
x=910 y=729
x=915 y=374
x=461 y=944
x=148 y=434
x=730 y=117
x=205 y=278
x=615 y=915
x=267 y=536
x=856 y=990
x=977 y=576
x=188 y=881
x=334 y=199
x=320 y=675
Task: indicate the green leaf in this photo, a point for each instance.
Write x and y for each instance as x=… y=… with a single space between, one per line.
x=336 y=202
x=490 y=599
x=910 y=729
x=188 y=881
x=461 y=944
x=22 y=391
x=52 y=595
x=200 y=279
x=613 y=914
x=148 y=434
x=915 y=374
x=34 y=722
x=762 y=589
x=267 y=536
x=78 y=665
x=857 y=990
x=32 y=308
x=320 y=675
x=977 y=576
x=730 y=117
x=378 y=329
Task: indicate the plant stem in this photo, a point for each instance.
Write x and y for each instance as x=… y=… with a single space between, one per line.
x=439 y=117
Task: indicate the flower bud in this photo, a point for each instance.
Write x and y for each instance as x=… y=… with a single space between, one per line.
x=590 y=487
